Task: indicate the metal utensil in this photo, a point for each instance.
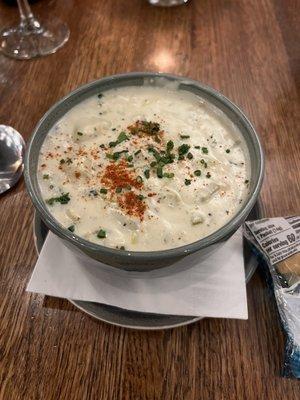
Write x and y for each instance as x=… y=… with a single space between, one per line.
x=12 y=149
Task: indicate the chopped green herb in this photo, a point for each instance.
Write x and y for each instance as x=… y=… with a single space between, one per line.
x=51 y=187
x=69 y=161
x=204 y=163
x=122 y=247
x=62 y=161
x=103 y=191
x=129 y=158
x=197 y=172
x=137 y=152
x=187 y=182
x=168 y=175
x=153 y=164
x=140 y=197
x=190 y=156
x=100 y=95
x=247 y=181
x=159 y=171
x=147 y=173
x=139 y=179
x=79 y=133
x=71 y=228
x=208 y=175
x=121 y=138
x=115 y=156
x=46 y=176
x=170 y=146
x=197 y=147
x=130 y=165
x=184 y=136
x=102 y=146
x=183 y=149
x=204 y=150
x=101 y=234
x=128 y=187
x=227 y=150
x=63 y=199
x=118 y=190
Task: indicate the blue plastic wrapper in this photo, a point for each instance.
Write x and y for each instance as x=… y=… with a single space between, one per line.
x=277 y=243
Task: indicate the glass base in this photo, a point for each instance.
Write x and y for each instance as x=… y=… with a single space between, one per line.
x=167 y=3
x=31 y=39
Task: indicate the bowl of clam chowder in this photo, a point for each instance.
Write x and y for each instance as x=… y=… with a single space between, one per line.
x=141 y=169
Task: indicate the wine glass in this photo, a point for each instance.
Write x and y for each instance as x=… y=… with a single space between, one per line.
x=31 y=38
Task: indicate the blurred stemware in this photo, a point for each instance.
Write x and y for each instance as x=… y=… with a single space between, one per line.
x=31 y=38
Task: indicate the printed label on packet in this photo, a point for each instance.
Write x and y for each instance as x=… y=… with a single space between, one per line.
x=279 y=238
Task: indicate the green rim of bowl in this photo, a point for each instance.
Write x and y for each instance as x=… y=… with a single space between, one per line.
x=139 y=256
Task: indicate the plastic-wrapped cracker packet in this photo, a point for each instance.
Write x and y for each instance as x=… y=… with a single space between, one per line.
x=278 y=241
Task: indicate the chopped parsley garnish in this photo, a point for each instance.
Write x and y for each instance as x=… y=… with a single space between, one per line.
x=153 y=164
x=204 y=150
x=69 y=161
x=101 y=234
x=129 y=158
x=63 y=199
x=139 y=179
x=147 y=173
x=122 y=247
x=121 y=138
x=183 y=149
x=128 y=187
x=247 y=181
x=137 y=152
x=187 y=182
x=197 y=172
x=140 y=197
x=71 y=228
x=184 y=136
x=227 y=150
x=190 y=156
x=197 y=147
x=62 y=161
x=102 y=146
x=115 y=156
x=170 y=146
x=100 y=95
x=51 y=187
x=208 y=175
x=159 y=171
x=103 y=190
x=168 y=175
x=118 y=190
x=79 y=133
x=46 y=176
x=204 y=163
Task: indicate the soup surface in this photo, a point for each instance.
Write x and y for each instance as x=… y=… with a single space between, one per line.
x=143 y=168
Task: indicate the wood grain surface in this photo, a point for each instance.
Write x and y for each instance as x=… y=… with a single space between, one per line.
x=249 y=50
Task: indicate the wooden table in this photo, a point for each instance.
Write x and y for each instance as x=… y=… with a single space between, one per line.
x=249 y=50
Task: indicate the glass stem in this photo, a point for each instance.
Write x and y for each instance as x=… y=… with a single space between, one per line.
x=28 y=21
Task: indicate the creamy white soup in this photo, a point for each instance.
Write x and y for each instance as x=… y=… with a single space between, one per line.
x=144 y=168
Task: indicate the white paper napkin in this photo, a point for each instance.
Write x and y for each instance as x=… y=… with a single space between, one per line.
x=213 y=288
